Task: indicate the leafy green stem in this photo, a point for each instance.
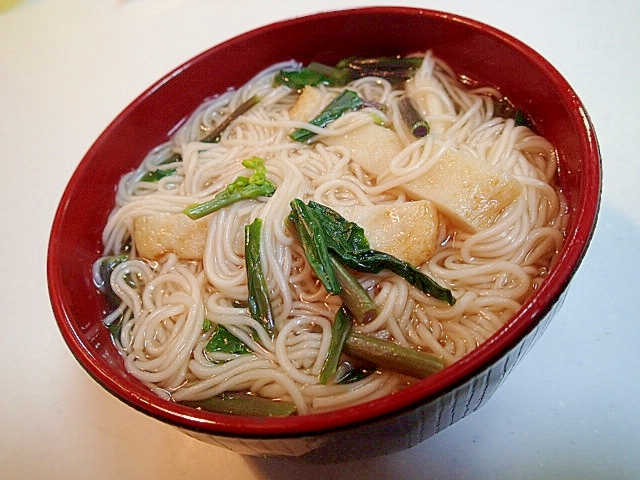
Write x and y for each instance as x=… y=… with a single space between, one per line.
x=418 y=125
x=346 y=240
x=259 y=303
x=244 y=107
x=308 y=228
x=387 y=354
x=355 y=297
x=245 y=405
x=339 y=331
x=346 y=101
x=242 y=188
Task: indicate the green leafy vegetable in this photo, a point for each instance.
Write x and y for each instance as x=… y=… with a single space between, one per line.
x=346 y=101
x=374 y=261
x=418 y=125
x=355 y=298
x=387 y=354
x=379 y=352
x=214 y=136
x=336 y=76
x=159 y=173
x=299 y=79
x=155 y=175
x=106 y=268
x=259 y=304
x=245 y=405
x=339 y=332
x=313 y=74
x=323 y=230
x=223 y=341
x=521 y=119
x=310 y=231
x=394 y=69
x=348 y=372
x=334 y=276
x=242 y=188
x=506 y=109
x=115 y=328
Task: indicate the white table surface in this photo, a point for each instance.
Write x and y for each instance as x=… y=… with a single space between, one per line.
x=571 y=409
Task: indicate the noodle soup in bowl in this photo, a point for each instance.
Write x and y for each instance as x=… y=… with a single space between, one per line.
x=190 y=299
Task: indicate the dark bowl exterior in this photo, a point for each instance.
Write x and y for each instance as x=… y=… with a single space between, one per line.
x=397 y=421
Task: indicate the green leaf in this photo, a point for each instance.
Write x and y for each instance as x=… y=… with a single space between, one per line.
x=387 y=354
x=506 y=109
x=394 y=69
x=159 y=173
x=259 y=304
x=521 y=119
x=115 y=328
x=354 y=297
x=299 y=79
x=348 y=242
x=242 y=188
x=107 y=266
x=339 y=332
x=343 y=236
x=155 y=175
x=223 y=341
x=245 y=405
x=214 y=136
x=309 y=229
x=347 y=100
x=349 y=373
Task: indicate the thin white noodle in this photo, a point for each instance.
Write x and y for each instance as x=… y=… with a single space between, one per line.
x=166 y=303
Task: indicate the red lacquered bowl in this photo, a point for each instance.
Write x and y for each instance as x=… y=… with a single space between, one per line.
x=397 y=421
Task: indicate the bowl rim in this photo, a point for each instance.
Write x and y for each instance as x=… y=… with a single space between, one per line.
x=419 y=393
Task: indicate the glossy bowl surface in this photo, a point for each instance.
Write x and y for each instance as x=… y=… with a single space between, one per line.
x=391 y=423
